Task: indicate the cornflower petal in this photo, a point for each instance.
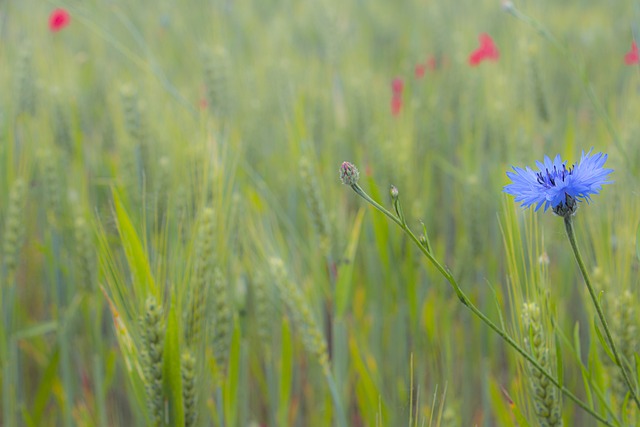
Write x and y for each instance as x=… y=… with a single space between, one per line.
x=556 y=186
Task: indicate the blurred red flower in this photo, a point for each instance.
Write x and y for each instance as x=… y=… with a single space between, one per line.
x=397 y=86
x=396 y=105
x=633 y=56
x=487 y=50
x=59 y=19
x=420 y=70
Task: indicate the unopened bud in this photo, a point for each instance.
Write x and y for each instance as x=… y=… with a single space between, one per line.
x=349 y=174
x=394 y=193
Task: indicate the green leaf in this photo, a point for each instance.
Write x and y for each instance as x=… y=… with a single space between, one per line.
x=586 y=379
x=380 y=227
x=559 y=361
x=603 y=342
x=638 y=242
x=45 y=389
x=37 y=330
x=134 y=251
x=637 y=360
x=498 y=396
x=233 y=379
x=576 y=341
x=367 y=394
x=345 y=276
x=426 y=238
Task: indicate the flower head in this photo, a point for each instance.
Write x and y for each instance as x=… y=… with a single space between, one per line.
x=396 y=105
x=487 y=50
x=397 y=86
x=633 y=56
x=349 y=173
x=557 y=186
x=59 y=19
x=420 y=70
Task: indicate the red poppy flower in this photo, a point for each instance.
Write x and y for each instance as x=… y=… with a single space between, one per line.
x=487 y=50
x=396 y=105
x=420 y=70
x=476 y=57
x=397 y=86
x=489 y=47
x=633 y=56
x=59 y=19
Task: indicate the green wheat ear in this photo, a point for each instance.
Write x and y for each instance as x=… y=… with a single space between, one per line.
x=26 y=82
x=624 y=331
x=222 y=321
x=13 y=226
x=311 y=190
x=189 y=393
x=263 y=302
x=133 y=118
x=301 y=315
x=162 y=188
x=84 y=253
x=152 y=329
x=546 y=401
x=138 y=153
x=216 y=78
x=205 y=258
x=61 y=123
x=540 y=99
x=51 y=182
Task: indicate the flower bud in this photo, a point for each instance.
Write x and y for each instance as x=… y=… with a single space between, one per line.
x=349 y=174
x=394 y=193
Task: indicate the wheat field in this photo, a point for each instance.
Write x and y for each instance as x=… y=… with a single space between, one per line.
x=177 y=247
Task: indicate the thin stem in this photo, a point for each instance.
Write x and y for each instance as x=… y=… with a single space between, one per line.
x=9 y=355
x=61 y=302
x=572 y=239
x=467 y=302
x=220 y=406
x=375 y=204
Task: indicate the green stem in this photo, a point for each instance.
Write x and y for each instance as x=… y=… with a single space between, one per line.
x=467 y=302
x=98 y=364
x=220 y=406
x=375 y=204
x=60 y=302
x=341 y=419
x=9 y=358
x=570 y=233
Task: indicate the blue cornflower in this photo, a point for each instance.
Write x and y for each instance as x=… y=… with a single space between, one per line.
x=556 y=186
